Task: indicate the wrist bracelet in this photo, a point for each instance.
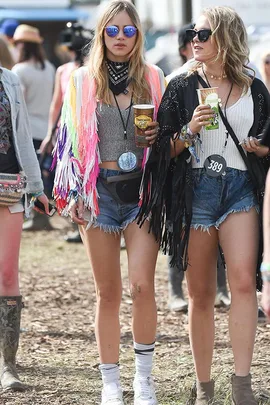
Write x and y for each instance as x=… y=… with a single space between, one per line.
x=187 y=136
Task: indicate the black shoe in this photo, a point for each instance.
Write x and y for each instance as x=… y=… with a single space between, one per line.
x=73 y=237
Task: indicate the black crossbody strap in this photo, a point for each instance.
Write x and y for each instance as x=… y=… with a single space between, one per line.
x=234 y=137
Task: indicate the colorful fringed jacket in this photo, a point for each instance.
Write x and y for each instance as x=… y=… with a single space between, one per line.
x=76 y=154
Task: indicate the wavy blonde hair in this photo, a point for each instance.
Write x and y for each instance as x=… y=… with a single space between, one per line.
x=97 y=55
x=230 y=36
x=6 y=59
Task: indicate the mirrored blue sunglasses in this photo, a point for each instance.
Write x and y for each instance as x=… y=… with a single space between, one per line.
x=129 y=31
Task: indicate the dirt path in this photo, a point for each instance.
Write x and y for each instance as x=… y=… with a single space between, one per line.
x=58 y=355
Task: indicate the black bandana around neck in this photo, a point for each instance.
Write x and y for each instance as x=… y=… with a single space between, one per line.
x=118 y=76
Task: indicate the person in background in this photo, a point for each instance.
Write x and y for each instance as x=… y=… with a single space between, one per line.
x=265 y=69
x=7 y=29
x=185 y=52
x=95 y=151
x=265 y=266
x=36 y=76
x=176 y=301
x=6 y=58
x=75 y=38
x=17 y=156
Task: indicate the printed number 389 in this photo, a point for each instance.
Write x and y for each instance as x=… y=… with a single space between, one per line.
x=215 y=166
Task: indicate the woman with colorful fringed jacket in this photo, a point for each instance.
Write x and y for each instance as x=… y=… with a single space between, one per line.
x=205 y=193
x=96 y=142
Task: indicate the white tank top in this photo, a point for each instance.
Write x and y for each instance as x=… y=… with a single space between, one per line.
x=240 y=116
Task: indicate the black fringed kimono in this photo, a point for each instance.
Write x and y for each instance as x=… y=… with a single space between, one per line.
x=168 y=184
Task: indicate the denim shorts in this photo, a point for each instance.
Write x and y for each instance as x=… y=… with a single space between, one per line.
x=113 y=217
x=214 y=198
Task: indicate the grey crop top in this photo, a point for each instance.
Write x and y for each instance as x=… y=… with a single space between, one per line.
x=111 y=133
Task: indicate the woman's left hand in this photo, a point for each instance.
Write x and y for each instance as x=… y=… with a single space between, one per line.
x=251 y=144
x=151 y=134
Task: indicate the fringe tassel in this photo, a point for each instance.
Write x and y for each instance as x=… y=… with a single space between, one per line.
x=167 y=201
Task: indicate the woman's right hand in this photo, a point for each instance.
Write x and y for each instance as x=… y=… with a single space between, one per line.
x=201 y=117
x=75 y=210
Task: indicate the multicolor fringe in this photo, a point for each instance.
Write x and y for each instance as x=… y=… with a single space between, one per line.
x=76 y=154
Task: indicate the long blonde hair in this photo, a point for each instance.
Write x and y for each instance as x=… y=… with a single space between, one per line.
x=230 y=36
x=6 y=59
x=97 y=55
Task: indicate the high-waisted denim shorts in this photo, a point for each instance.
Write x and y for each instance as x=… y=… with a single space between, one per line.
x=214 y=198
x=113 y=217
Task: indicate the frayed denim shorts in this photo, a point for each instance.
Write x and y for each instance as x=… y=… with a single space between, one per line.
x=113 y=217
x=214 y=198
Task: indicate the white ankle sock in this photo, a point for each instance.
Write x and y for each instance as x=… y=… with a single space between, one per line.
x=143 y=359
x=110 y=373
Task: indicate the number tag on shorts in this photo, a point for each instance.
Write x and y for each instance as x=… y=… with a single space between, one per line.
x=215 y=165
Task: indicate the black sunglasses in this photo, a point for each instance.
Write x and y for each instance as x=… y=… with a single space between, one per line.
x=203 y=35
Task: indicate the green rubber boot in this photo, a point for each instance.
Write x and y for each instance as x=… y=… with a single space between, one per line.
x=10 y=317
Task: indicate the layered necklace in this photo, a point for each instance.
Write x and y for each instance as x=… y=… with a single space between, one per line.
x=118 y=76
x=213 y=77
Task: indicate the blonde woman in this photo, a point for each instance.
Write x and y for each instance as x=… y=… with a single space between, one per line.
x=210 y=194
x=95 y=150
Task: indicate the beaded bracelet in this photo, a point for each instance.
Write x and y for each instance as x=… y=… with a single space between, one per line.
x=187 y=136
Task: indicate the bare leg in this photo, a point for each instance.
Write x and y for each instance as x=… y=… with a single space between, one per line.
x=239 y=241
x=201 y=280
x=103 y=250
x=142 y=251
x=10 y=239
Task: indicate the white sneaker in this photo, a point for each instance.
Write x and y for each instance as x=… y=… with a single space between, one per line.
x=112 y=394
x=177 y=304
x=222 y=300
x=144 y=391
